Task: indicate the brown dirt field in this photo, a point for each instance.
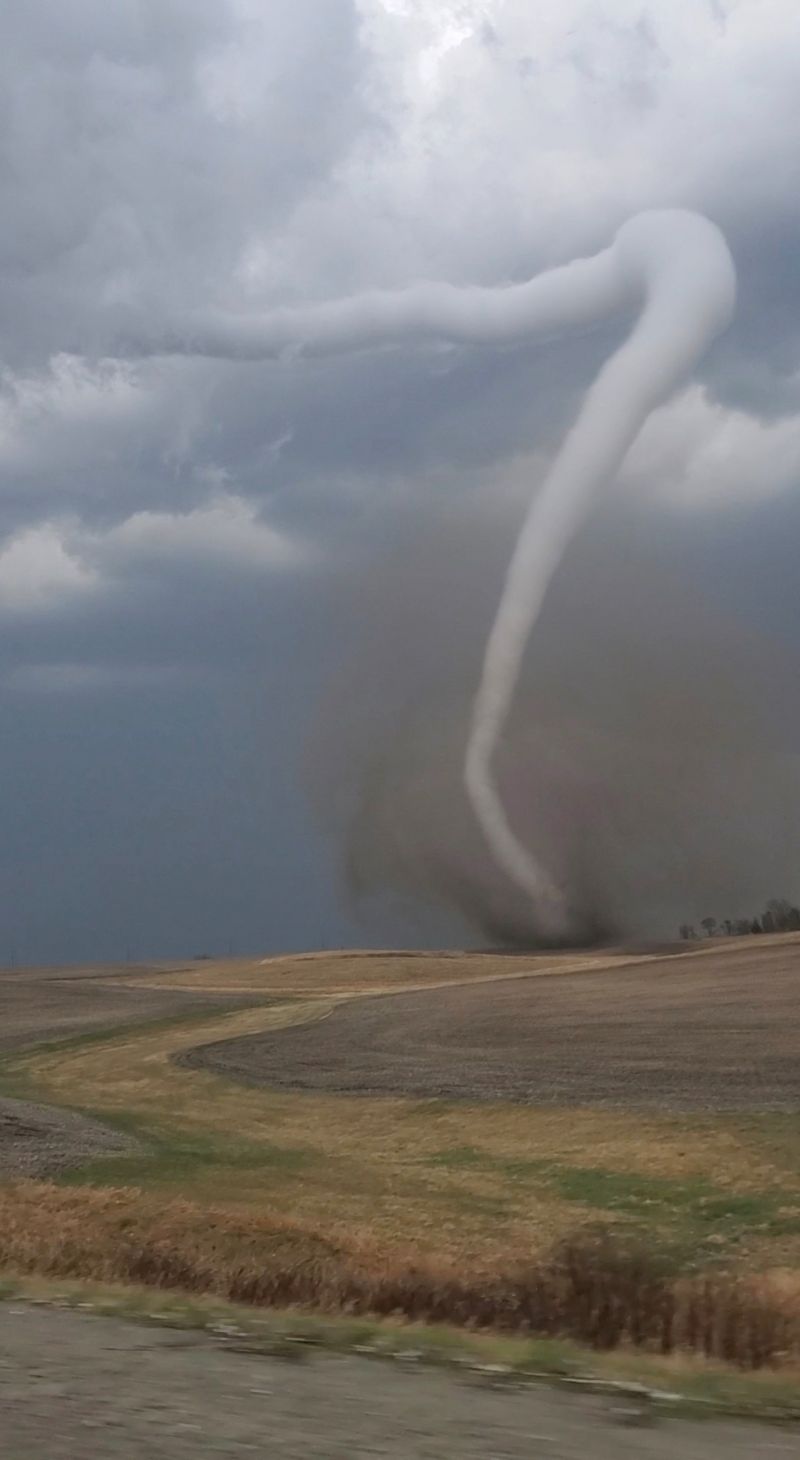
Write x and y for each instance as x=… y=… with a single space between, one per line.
x=714 y=1031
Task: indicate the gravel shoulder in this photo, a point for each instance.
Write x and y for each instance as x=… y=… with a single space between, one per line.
x=719 y=1031
x=74 y=1385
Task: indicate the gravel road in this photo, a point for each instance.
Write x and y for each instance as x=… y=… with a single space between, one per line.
x=78 y=1387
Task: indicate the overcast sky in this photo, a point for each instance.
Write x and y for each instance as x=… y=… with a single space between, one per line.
x=175 y=533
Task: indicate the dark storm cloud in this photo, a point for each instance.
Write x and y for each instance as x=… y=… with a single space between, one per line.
x=174 y=535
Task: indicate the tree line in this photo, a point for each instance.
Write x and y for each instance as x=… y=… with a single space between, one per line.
x=779 y=916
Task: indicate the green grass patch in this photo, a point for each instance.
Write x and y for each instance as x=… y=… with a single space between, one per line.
x=168 y=1159
x=697 y=1219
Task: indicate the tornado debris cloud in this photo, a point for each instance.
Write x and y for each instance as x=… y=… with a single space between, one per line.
x=675 y=267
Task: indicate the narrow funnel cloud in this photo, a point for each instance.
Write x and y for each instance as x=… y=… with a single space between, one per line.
x=677 y=267
x=681 y=266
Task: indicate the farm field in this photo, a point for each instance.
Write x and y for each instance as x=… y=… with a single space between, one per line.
x=55 y=1003
x=315 y=1128
x=717 y=1031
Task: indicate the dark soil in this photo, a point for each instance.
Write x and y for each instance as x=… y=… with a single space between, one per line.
x=715 y=1031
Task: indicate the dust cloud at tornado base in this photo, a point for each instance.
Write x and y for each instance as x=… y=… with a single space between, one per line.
x=623 y=764
x=647 y=761
x=677 y=266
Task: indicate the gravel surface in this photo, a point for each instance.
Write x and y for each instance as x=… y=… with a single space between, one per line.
x=78 y=1387
x=717 y=1031
x=38 y=1141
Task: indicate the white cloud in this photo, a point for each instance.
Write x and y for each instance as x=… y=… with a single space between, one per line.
x=696 y=452
x=54 y=563
x=515 y=132
x=38 y=574
x=69 y=398
x=227 y=530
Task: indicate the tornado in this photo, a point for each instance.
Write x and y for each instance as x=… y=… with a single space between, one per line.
x=679 y=266
x=673 y=267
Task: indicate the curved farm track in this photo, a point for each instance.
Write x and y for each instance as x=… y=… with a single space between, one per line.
x=54 y=1004
x=718 y=1030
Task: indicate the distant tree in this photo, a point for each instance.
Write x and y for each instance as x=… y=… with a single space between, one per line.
x=728 y=926
x=743 y=927
x=755 y=926
x=783 y=916
x=709 y=924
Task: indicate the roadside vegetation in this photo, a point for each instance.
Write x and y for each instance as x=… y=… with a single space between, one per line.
x=596 y=1288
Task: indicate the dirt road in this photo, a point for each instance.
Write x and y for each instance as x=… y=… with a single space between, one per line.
x=77 y=1387
x=717 y=1031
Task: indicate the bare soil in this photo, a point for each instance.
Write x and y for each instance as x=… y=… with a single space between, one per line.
x=715 y=1031
x=78 y=1387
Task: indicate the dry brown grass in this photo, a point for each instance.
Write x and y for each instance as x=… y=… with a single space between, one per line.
x=356 y=972
x=592 y=1289
x=300 y=975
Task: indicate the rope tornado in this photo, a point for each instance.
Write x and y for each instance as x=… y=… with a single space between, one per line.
x=676 y=267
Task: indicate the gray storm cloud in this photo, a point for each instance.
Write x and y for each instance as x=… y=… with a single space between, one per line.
x=676 y=267
x=159 y=165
